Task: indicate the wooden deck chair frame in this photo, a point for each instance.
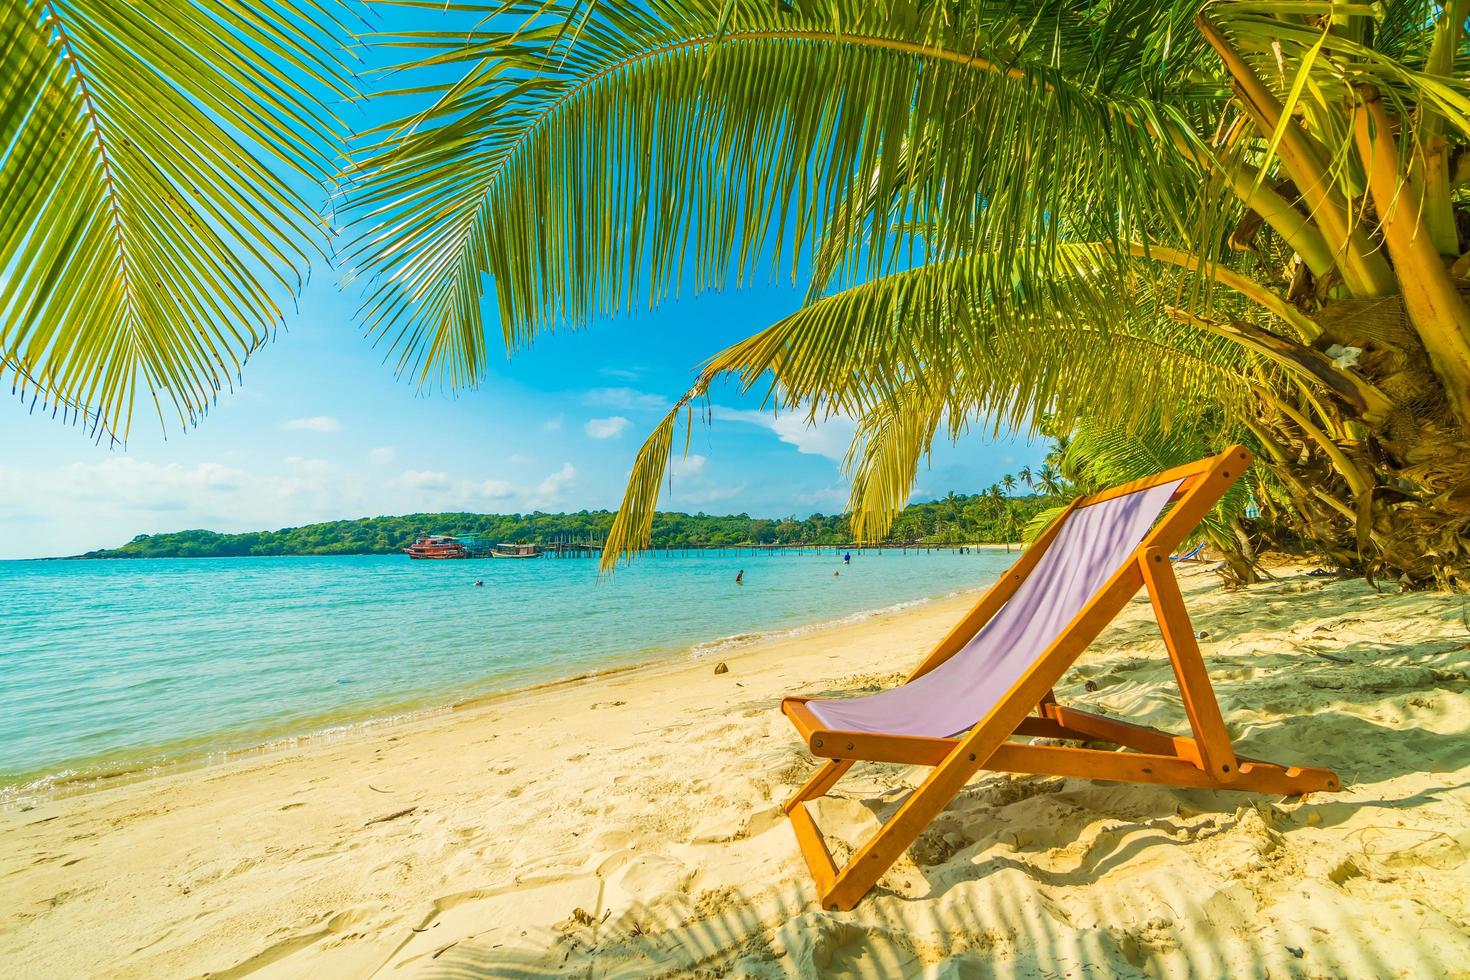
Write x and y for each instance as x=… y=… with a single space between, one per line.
x=1205 y=760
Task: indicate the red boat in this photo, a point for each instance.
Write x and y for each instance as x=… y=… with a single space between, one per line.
x=438 y=546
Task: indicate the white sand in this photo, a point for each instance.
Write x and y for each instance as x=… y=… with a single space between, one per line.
x=630 y=826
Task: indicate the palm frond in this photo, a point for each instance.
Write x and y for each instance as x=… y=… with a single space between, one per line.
x=908 y=351
x=1060 y=347
x=154 y=160
x=592 y=156
x=1105 y=455
x=1319 y=71
x=884 y=457
x=34 y=395
x=632 y=528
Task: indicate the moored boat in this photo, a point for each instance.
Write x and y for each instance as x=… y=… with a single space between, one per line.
x=437 y=546
x=515 y=551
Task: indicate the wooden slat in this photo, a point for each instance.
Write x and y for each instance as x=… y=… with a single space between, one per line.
x=1186 y=515
x=821 y=781
x=1133 y=767
x=801 y=716
x=1187 y=472
x=1139 y=737
x=1203 y=711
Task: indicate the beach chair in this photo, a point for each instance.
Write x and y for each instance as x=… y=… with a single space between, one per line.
x=1193 y=554
x=991 y=678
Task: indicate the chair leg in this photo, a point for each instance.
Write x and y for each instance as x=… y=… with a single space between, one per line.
x=808 y=835
x=875 y=857
x=1217 y=755
x=824 y=779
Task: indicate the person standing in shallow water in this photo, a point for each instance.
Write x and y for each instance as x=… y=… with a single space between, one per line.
x=740 y=577
x=847 y=558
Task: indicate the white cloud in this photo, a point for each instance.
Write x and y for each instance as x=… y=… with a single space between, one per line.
x=708 y=494
x=827 y=497
x=622 y=374
x=689 y=465
x=553 y=424
x=518 y=459
x=829 y=437
x=693 y=486
x=608 y=428
x=382 y=455
x=435 y=489
x=434 y=481
x=315 y=423
x=495 y=489
x=628 y=399
x=81 y=506
x=553 y=485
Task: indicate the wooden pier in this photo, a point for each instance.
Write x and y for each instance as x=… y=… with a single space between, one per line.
x=593 y=549
x=568 y=548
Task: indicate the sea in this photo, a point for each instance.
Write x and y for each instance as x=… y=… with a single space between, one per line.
x=128 y=667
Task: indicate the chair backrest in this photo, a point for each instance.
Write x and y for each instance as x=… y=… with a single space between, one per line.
x=1089 y=548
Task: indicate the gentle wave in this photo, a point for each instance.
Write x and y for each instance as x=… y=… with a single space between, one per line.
x=741 y=640
x=124 y=669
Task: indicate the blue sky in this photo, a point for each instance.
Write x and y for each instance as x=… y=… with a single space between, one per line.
x=321 y=429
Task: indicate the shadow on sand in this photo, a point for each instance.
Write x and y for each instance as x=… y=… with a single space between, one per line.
x=961 y=906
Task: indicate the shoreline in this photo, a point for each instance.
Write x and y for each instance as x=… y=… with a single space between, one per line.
x=673 y=549
x=631 y=825
x=152 y=762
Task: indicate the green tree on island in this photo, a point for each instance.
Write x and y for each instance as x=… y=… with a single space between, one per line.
x=958 y=519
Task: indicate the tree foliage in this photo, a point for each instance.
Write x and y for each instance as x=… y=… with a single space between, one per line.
x=1131 y=215
x=154 y=156
x=957 y=519
x=1137 y=214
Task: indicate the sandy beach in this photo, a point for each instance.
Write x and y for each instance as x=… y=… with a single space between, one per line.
x=630 y=825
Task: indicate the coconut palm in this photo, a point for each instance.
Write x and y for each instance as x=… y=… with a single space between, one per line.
x=1025 y=475
x=1129 y=212
x=1008 y=482
x=154 y=165
x=1049 y=480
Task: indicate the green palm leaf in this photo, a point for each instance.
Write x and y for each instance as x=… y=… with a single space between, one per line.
x=908 y=352
x=594 y=155
x=1105 y=455
x=884 y=458
x=155 y=162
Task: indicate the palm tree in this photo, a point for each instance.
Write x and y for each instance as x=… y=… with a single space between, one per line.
x=1242 y=209
x=1057 y=454
x=1008 y=482
x=155 y=165
x=1049 y=481
x=1025 y=476
x=1223 y=220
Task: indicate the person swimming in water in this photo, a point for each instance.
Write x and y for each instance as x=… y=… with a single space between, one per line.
x=740 y=577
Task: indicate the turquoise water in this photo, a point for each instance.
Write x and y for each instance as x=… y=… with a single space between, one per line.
x=109 y=666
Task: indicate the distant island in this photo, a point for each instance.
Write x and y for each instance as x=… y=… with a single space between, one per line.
x=955 y=519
